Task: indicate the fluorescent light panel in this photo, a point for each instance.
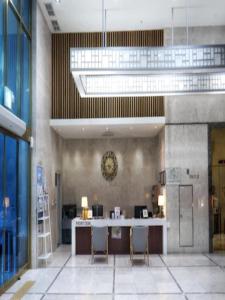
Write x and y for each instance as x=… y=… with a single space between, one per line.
x=139 y=71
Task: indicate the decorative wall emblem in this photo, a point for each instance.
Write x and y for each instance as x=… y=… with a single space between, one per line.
x=109 y=165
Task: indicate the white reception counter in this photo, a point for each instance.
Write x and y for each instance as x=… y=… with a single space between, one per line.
x=77 y=222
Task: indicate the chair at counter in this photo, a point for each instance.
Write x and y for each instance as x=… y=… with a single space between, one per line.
x=99 y=241
x=139 y=242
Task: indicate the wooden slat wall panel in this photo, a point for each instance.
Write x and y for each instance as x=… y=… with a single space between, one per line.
x=66 y=102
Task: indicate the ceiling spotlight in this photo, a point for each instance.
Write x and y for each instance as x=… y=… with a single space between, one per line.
x=57 y=1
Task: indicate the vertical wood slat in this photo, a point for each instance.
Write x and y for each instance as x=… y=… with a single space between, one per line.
x=66 y=101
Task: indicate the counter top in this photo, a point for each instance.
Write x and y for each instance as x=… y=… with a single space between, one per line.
x=78 y=222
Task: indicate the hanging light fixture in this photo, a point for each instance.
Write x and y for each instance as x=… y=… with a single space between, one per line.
x=147 y=71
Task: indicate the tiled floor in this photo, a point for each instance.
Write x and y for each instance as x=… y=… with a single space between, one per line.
x=172 y=277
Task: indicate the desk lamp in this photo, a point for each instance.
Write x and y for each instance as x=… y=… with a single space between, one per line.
x=84 y=205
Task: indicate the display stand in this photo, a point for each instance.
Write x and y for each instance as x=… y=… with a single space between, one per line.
x=44 y=229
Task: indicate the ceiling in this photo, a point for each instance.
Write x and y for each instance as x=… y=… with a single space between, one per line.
x=108 y=128
x=86 y=15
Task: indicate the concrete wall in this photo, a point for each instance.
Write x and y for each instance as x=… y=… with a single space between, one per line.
x=187 y=145
x=197 y=108
x=137 y=172
x=187 y=148
x=47 y=144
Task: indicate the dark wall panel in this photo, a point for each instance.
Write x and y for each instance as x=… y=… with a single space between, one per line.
x=66 y=102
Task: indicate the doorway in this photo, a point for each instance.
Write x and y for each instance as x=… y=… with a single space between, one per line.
x=59 y=207
x=217 y=198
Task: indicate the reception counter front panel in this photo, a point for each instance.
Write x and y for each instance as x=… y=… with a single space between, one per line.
x=81 y=235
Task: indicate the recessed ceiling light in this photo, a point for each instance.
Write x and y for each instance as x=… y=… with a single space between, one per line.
x=57 y=1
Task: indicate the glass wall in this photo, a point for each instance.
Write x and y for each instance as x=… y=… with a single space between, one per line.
x=25 y=79
x=15 y=49
x=14 y=205
x=1 y=51
x=12 y=62
x=15 y=60
x=2 y=242
x=22 y=207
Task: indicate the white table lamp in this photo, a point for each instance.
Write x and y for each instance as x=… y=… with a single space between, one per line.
x=84 y=205
x=161 y=202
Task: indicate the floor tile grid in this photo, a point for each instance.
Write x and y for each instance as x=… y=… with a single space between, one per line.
x=114 y=276
x=187 y=295
x=218 y=265
x=168 y=269
x=191 y=266
x=55 y=277
x=115 y=295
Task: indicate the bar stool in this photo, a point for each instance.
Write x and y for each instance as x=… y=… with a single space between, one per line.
x=139 y=242
x=99 y=241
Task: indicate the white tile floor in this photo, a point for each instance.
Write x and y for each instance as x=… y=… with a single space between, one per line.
x=172 y=277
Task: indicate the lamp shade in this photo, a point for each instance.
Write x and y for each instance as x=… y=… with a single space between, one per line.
x=161 y=200
x=84 y=202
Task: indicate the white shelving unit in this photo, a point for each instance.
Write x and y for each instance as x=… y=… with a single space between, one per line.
x=44 y=229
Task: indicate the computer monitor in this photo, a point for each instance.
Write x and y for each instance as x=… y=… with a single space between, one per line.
x=138 y=211
x=97 y=211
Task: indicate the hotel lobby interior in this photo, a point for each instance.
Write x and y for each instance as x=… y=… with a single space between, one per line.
x=112 y=149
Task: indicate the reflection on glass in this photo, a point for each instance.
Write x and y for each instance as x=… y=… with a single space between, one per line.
x=22 y=206
x=16 y=3
x=25 y=77
x=12 y=54
x=1 y=52
x=10 y=211
x=1 y=212
x=25 y=11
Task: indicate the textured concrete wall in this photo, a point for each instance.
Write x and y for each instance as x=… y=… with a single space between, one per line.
x=197 y=108
x=137 y=172
x=187 y=148
x=47 y=144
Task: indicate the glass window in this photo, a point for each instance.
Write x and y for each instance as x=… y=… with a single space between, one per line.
x=23 y=196
x=1 y=52
x=25 y=77
x=10 y=207
x=16 y=3
x=11 y=100
x=25 y=11
x=2 y=247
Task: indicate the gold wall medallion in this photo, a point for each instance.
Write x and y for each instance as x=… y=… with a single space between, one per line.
x=109 y=165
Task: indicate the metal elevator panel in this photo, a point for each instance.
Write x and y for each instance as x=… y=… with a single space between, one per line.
x=186 y=215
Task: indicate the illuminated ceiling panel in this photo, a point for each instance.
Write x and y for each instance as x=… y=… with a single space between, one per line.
x=143 y=71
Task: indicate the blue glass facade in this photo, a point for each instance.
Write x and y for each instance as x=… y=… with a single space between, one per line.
x=1 y=51
x=15 y=47
x=12 y=61
x=15 y=44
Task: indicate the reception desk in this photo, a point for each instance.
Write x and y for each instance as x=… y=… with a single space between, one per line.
x=81 y=235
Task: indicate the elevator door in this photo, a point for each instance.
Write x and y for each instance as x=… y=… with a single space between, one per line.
x=186 y=215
